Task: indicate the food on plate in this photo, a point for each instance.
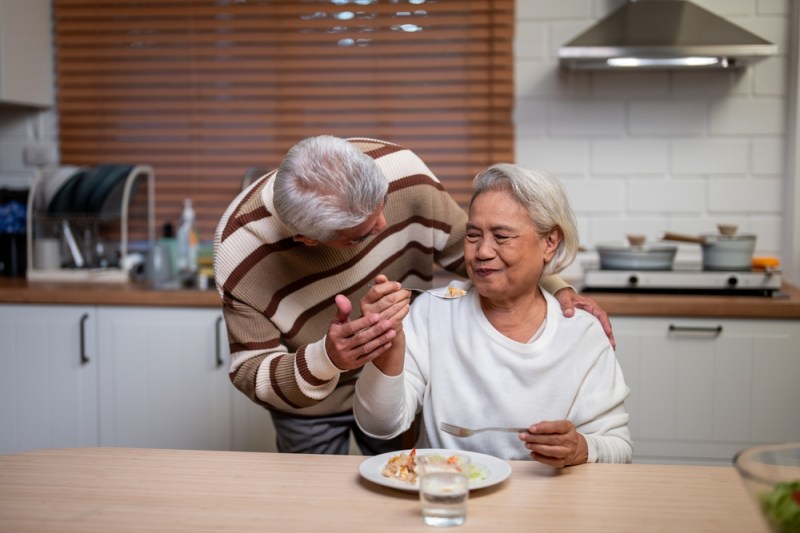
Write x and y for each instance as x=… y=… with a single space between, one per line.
x=781 y=506
x=406 y=467
x=455 y=292
x=402 y=467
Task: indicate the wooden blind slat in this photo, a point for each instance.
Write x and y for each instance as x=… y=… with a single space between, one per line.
x=202 y=90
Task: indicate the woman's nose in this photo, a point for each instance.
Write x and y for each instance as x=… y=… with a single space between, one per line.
x=484 y=249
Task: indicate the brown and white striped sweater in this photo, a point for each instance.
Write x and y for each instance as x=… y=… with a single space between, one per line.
x=278 y=294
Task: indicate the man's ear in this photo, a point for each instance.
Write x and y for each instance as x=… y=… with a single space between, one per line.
x=308 y=241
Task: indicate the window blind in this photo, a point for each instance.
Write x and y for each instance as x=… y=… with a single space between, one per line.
x=203 y=90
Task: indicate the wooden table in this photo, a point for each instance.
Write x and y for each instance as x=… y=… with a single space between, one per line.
x=122 y=489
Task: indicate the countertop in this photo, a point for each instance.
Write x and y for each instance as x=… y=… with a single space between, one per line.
x=785 y=304
x=128 y=489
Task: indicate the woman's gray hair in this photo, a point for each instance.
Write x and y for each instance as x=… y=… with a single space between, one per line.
x=543 y=196
x=325 y=185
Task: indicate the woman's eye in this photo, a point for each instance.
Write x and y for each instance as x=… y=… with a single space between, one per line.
x=472 y=237
x=501 y=238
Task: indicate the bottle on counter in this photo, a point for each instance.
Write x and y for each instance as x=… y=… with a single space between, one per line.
x=170 y=244
x=187 y=244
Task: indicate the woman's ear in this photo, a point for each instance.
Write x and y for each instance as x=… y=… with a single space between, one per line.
x=552 y=241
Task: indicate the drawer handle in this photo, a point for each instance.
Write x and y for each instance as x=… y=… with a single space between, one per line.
x=696 y=330
x=219 y=349
x=84 y=318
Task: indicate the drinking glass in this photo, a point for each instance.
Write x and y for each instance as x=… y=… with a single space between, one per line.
x=443 y=489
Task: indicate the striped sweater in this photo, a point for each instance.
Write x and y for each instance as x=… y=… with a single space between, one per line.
x=278 y=294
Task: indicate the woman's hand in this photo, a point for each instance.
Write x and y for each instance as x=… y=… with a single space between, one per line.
x=569 y=300
x=556 y=443
x=387 y=299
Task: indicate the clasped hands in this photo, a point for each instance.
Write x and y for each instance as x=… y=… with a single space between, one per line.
x=351 y=344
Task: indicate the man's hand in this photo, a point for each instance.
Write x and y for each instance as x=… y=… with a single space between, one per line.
x=556 y=443
x=569 y=300
x=351 y=344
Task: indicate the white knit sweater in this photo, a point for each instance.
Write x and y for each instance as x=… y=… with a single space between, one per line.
x=460 y=370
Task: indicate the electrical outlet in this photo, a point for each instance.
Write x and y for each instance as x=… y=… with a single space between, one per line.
x=39 y=154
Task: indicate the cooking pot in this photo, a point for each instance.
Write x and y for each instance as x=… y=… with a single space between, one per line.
x=724 y=250
x=636 y=256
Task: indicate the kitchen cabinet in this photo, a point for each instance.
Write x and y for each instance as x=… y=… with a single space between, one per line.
x=154 y=377
x=163 y=378
x=702 y=389
x=26 y=53
x=48 y=377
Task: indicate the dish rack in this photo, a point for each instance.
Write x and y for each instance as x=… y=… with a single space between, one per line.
x=116 y=207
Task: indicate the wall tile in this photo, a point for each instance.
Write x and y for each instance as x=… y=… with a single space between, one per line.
x=628 y=156
x=530 y=116
x=530 y=40
x=668 y=118
x=543 y=79
x=666 y=196
x=615 y=230
x=747 y=116
x=586 y=118
x=553 y=9
x=733 y=195
x=768 y=156
x=769 y=234
x=558 y=157
x=710 y=84
x=594 y=196
x=623 y=85
x=709 y=156
x=769 y=76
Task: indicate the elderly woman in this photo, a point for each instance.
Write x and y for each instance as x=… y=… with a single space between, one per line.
x=503 y=354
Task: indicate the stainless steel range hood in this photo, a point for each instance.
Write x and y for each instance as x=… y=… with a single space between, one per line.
x=663 y=34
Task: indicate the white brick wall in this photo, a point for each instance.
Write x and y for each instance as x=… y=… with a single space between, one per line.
x=655 y=151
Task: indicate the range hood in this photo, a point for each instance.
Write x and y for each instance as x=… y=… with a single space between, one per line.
x=663 y=34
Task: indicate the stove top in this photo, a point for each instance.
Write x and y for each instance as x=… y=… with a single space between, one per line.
x=683 y=281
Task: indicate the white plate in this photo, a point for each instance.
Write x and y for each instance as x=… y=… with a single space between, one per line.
x=496 y=469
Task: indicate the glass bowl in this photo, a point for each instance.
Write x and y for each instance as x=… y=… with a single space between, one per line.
x=771 y=475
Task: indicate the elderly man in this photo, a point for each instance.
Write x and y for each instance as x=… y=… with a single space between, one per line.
x=296 y=247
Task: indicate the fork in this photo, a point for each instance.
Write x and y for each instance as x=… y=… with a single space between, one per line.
x=432 y=293
x=458 y=431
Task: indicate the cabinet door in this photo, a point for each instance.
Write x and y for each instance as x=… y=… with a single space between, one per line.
x=26 y=52
x=48 y=377
x=702 y=389
x=164 y=378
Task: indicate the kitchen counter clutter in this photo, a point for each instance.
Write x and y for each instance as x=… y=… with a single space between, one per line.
x=785 y=304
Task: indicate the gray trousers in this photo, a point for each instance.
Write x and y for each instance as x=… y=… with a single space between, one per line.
x=330 y=435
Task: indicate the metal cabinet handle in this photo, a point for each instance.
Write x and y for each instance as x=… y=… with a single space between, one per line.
x=713 y=331
x=84 y=358
x=219 y=349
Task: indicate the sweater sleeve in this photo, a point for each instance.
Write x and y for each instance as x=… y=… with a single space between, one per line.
x=599 y=411
x=553 y=283
x=378 y=407
x=266 y=372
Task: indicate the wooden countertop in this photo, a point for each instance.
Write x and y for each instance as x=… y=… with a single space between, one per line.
x=785 y=305
x=123 y=489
